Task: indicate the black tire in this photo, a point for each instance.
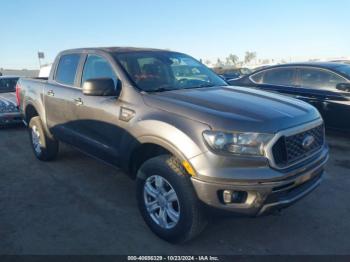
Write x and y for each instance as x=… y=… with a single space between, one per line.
x=48 y=148
x=191 y=219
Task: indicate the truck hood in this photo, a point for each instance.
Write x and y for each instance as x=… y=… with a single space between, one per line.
x=8 y=102
x=230 y=108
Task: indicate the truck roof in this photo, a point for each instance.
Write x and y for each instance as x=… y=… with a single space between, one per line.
x=116 y=49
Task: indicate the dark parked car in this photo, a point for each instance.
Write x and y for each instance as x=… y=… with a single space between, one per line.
x=187 y=139
x=9 y=113
x=231 y=73
x=324 y=85
x=343 y=61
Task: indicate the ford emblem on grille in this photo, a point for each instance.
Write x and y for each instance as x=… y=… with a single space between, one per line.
x=308 y=141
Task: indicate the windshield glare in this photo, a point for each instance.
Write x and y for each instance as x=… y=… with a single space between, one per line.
x=163 y=71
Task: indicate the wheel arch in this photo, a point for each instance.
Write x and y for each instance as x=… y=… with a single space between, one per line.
x=30 y=112
x=151 y=147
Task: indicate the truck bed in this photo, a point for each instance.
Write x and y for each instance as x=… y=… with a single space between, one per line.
x=31 y=90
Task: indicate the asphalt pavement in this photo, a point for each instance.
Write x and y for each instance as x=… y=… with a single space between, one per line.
x=78 y=205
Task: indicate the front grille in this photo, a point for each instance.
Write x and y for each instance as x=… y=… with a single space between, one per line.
x=290 y=149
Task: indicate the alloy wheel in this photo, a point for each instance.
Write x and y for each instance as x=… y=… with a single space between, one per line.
x=161 y=202
x=36 y=140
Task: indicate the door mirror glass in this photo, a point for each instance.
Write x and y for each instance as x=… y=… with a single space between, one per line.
x=344 y=87
x=101 y=87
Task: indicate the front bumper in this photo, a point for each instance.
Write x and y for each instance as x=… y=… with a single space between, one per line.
x=10 y=118
x=263 y=196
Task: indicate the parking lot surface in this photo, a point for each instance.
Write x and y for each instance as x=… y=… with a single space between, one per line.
x=78 y=205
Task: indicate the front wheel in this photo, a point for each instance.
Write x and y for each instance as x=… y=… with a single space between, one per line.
x=167 y=200
x=44 y=147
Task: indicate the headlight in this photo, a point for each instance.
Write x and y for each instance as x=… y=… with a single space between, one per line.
x=237 y=143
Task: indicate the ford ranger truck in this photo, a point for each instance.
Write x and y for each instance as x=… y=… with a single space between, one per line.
x=188 y=138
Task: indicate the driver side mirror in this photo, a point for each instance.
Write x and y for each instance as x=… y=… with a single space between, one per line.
x=101 y=87
x=343 y=87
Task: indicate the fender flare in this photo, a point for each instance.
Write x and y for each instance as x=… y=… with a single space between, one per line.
x=41 y=114
x=182 y=142
x=165 y=144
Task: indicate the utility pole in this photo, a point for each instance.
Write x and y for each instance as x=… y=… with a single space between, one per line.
x=41 y=55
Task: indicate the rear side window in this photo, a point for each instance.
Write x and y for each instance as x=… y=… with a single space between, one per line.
x=8 y=84
x=67 y=69
x=280 y=76
x=319 y=79
x=97 y=67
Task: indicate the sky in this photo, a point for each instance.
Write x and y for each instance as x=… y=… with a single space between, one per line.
x=206 y=29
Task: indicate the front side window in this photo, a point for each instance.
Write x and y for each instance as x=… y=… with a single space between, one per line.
x=8 y=84
x=319 y=79
x=97 y=67
x=344 y=69
x=67 y=69
x=280 y=76
x=163 y=71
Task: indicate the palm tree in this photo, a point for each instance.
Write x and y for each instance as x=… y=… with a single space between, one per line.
x=219 y=62
x=249 y=56
x=207 y=62
x=234 y=59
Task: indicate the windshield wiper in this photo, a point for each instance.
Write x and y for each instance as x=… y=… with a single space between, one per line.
x=162 y=89
x=200 y=86
x=171 y=88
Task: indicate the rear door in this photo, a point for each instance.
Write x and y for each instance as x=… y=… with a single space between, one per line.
x=281 y=80
x=318 y=87
x=59 y=97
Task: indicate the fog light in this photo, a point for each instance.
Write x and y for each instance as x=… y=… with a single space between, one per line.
x=227 y=196
x=234 y=197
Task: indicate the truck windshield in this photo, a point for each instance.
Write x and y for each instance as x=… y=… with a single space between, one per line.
x=165 y=71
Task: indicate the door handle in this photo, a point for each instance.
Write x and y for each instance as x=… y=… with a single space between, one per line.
x=78 y=101
x=51 y=93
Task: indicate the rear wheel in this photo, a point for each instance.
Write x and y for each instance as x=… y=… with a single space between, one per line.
x=167 y=200
x=44 y=147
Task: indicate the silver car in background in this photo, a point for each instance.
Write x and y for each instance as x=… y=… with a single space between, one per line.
x=9 y=113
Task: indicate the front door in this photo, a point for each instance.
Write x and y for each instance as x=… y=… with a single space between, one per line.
x=99 y=125
x=318 y=87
